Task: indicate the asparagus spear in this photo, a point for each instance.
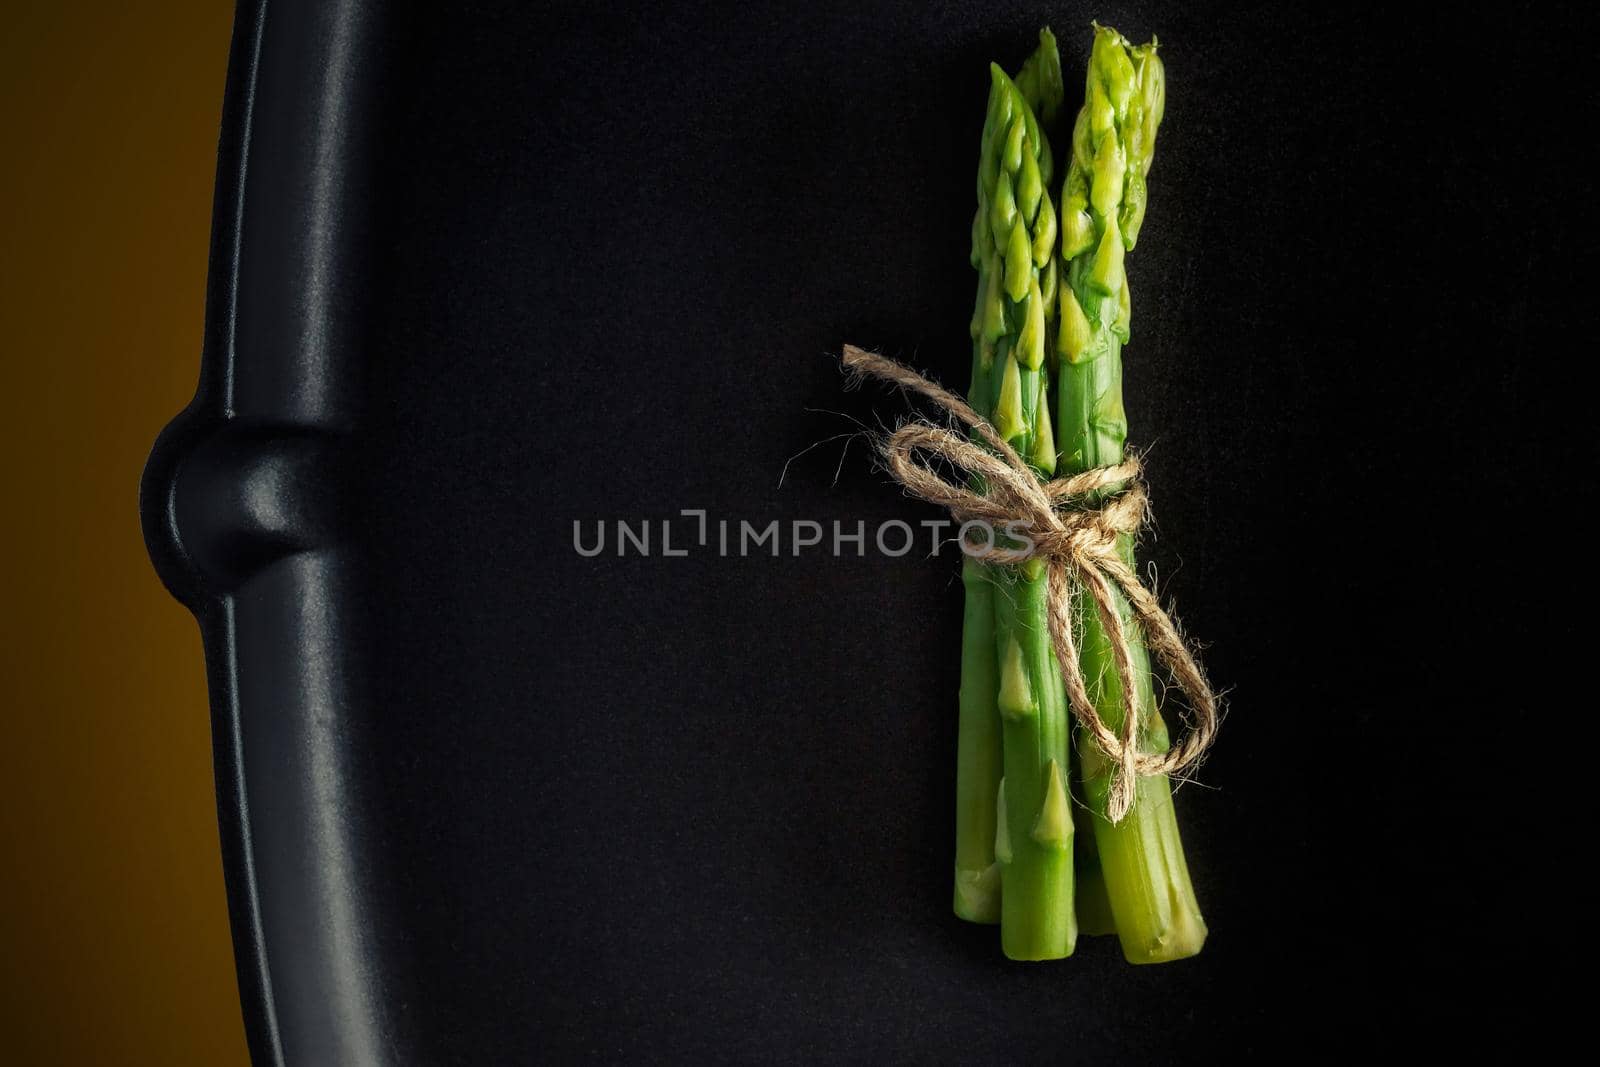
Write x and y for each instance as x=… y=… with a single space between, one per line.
x=1103 y=201
x=978 y=766
x=1014 y=237
x=978 y=750
x=1012 y=232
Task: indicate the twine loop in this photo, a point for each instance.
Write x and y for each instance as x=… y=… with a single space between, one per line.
x=1073 y=525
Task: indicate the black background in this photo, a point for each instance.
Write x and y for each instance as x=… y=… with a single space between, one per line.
x=699 y=809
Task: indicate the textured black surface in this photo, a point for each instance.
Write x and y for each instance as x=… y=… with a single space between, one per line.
x=482 y=273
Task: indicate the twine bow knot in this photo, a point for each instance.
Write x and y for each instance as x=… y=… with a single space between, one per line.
x=1073 y=525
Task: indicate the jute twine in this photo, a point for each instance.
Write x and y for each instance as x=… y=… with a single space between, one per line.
x=1077 y=540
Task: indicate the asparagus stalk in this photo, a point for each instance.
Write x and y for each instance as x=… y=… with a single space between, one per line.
x=1141 y=858
x=978 y=746
x=978 y=767
x=996 y=332
x=1014 y=239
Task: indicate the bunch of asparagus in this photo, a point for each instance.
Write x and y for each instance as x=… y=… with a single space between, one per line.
x=1053 y=301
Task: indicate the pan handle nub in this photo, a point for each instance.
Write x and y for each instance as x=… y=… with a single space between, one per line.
x=240 y=497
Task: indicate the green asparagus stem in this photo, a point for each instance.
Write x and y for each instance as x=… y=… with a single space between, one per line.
x=1038 y=919
x=978 y=746
x=1013 y=232
x=1014 y=247
x=978 y=769
x=1103 y=200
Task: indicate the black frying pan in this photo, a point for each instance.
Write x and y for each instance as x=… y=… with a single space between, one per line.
x=483 y=271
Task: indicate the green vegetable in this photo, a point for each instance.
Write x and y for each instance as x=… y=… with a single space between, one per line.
x=1014 y=835
x=978 y=751
x=1052 y=299
x=1140 y=860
